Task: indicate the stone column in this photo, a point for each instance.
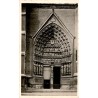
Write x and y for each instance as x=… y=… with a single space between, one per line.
x=76 y=40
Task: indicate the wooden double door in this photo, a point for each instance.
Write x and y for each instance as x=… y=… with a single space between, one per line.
x=56 y=79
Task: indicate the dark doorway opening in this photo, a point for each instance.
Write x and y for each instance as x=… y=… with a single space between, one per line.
x=56 y=77
x=46 y=84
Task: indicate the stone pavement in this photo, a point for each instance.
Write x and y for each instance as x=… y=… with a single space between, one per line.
x=50 y=92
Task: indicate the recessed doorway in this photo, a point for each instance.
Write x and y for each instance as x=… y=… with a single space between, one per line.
x=56 y=77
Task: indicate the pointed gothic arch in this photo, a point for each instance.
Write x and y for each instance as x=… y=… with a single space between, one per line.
x=48 y=33
x=53 y=45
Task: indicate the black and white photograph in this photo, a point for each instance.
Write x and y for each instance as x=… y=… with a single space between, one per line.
x=49 y=49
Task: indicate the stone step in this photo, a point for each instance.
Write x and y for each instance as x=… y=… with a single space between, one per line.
x=52 y=90
x=69 y=93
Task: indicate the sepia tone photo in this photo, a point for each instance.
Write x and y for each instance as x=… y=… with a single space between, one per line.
x=49 y=48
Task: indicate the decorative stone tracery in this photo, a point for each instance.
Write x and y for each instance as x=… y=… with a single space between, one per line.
x=52 y=38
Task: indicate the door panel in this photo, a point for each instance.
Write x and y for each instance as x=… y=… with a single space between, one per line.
x=56 y=77
x=46 y=84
